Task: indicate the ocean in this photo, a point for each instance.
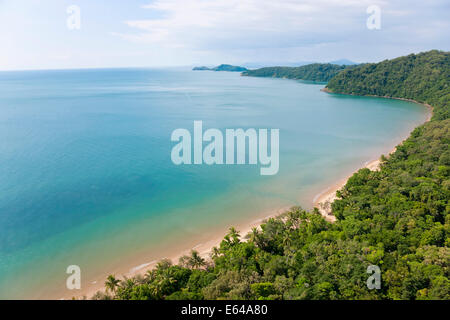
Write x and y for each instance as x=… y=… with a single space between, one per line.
x=86 y=176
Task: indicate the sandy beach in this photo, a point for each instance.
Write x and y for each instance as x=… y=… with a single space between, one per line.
x=203 y=248
x=322 y=201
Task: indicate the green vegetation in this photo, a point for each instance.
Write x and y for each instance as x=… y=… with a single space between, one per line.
x=423 y=77
x=222 y=67
x=320 y=72
x=396 y=218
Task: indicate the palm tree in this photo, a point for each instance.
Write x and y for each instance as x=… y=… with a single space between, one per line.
x=253 y=235
x=257 y=238
x=234 y=234
x=128 y=283
x=195 y=260
x=167 y=277
x=163 y=283
x=112 y=283
x=149 y=276
x=293 y=219
x=215 y=252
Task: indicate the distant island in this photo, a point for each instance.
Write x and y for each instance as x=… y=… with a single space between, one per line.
x=222 y=67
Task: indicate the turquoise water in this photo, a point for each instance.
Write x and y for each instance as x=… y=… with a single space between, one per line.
x=86 y=176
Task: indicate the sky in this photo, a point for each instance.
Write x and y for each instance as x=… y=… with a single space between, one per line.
x=35 y=34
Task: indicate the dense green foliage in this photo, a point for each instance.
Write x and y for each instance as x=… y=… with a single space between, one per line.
x=320 y=72
x=396 y=218
x=424 y=77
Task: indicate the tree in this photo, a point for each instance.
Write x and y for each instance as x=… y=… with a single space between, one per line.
x=112 y=283
x=195 y=260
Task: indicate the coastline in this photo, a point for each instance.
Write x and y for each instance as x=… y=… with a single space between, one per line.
x=428 y=106
x=322 y=201
x=203 y=248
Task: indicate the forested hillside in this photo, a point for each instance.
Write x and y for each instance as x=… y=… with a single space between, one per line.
x=320 y=72
x=423 y=77
x=396 y=218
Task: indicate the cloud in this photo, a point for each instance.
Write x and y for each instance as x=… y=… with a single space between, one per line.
x=244 y=23
x=277 y=25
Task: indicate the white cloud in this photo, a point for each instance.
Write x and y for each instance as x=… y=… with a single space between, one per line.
x=241 y=24
x=291 y=30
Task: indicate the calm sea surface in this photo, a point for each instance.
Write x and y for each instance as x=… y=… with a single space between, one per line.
x=86 y=176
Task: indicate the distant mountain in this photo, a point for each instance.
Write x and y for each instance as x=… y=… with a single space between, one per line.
x=201 y=68
x=222 y=67
x=263 y=64
x=343 y=62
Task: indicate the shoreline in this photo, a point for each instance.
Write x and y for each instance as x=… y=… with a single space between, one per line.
x=322 y=201
x=428 y=106
x=204 y=249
